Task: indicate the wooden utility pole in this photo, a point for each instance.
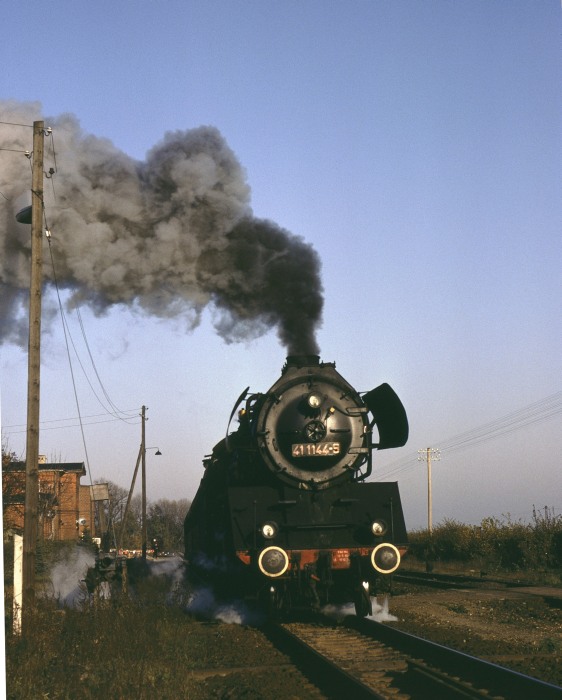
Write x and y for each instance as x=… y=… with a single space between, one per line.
x=429 y=496
x=129 y=497
x=430 y=453
x=30 y=526
x=143 y=488
x=141 y=459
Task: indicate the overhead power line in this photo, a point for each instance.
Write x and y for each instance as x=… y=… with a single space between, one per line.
x=533 y=413
x=110 y=408
x=538 y=412
x=15 y=429
x=67 y=419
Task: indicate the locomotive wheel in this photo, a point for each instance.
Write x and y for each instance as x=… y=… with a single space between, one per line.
x=362 y=601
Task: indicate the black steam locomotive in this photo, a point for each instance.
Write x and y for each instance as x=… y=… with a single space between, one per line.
x=283 y=512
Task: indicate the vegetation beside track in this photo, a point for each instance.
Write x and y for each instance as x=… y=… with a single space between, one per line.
x=122 y=651
x=495 y=547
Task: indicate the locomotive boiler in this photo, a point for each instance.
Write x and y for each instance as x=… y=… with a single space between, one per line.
x=284 y=513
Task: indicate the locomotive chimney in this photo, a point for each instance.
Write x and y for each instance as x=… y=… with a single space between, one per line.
x=301 y=361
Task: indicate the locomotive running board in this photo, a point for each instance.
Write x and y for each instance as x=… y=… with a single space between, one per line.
x=389 y=416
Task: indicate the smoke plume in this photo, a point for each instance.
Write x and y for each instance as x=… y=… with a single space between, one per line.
x=168 y=236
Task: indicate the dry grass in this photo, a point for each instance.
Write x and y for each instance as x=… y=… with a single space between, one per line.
x=109 y=650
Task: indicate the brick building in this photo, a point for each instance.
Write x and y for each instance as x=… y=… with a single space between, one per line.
x=65 y=507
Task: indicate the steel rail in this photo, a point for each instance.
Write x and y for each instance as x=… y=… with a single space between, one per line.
x=452 y=581
x=424 y=578
x=497 y=680
x=329 y=678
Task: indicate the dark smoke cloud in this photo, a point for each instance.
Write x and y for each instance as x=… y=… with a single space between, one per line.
x=167 y=236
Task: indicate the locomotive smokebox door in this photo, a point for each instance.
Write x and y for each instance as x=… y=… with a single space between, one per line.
x=312 y=426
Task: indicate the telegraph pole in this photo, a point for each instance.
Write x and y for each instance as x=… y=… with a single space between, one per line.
x=143 y=481
x=426 y=456
x=30 y=526
x=141 y=460
x=124 y=519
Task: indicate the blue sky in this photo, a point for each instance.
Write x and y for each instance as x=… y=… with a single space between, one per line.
x=415 y=146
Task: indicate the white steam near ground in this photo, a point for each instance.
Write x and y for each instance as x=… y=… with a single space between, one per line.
x=202 y=602
x=68 y=589
x=68 y=574
x=166 y=236
x=380 y=611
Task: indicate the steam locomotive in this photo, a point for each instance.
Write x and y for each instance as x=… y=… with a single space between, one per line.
x=283 y=513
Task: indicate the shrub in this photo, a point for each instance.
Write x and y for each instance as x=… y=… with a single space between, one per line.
x=496 y=544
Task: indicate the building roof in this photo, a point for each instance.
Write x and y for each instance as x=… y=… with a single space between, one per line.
x=66 y=467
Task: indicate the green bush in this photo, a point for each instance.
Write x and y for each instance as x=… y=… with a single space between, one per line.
x=495 y=545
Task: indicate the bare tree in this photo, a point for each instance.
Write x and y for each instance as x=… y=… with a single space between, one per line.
x=115 y=512
x=165 y=522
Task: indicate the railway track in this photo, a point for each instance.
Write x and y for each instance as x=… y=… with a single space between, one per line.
x=436 y=580
x=551 y=595
x=365 y=659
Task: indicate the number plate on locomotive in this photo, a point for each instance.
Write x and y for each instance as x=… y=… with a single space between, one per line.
x=315 y=449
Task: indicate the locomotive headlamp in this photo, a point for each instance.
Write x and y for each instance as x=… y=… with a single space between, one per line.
x=385 y=558
x=269 y=530
x=378 y=527
x=314 y=400
x=273 y=561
